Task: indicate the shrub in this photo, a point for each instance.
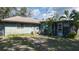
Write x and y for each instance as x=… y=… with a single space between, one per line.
x=71 y=35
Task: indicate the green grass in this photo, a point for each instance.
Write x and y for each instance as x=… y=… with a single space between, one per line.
x=19 y=35
x=49 y=43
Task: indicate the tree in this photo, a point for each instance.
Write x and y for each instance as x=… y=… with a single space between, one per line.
x=4 y=12
x=56 y=17
x=49 y=22
x=48 y=25
x=66 y=16
x=22 y=11
x=14 y=11
x=75 y=16
x=29 y=12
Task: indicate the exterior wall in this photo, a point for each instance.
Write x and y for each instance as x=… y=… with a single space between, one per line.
x=15 y=28
x=54 y=29
x=66 y=26
x=2 y=29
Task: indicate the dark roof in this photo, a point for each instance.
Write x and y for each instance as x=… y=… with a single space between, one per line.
x=60 y=21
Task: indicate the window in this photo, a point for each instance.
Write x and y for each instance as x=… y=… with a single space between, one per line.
x=20 y=25
x=59 y=26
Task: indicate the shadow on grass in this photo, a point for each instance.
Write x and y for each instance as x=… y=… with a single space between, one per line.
x=40 y=44
x=16 y=44
x=63 y=44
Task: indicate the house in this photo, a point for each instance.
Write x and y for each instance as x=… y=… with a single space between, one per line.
x=63 y=28
x=24 y=25
x=18 y=25
x=60 y=28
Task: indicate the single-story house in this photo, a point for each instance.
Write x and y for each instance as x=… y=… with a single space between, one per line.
x=23 y=25
x=18 y=25
x=59 y=28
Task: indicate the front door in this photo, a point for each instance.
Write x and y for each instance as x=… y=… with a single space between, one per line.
x=60 y=29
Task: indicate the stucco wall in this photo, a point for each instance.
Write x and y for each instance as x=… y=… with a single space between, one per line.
x=13 y=28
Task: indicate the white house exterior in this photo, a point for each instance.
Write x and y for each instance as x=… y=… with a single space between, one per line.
x=18 y=25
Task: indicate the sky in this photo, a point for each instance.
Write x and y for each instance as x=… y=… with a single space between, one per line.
x=45 y=12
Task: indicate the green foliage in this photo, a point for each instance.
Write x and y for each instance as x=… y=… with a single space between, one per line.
x=13 y=11
x=18 y=35
x=21 y=12
x=66 y=12
x=4 y=12
x=75 y=16
x=71 y=35
x=68 y=16
x=76 y=24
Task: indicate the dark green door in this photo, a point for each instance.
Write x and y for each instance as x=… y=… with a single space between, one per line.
x=1 y=30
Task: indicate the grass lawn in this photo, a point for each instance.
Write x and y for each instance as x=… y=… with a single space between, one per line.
x=28 y=42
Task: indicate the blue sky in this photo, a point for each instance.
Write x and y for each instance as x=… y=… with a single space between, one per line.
x=45 y=12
